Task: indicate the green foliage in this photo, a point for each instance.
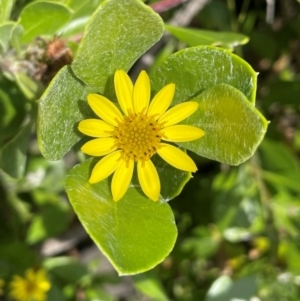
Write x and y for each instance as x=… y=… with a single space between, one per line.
x=13 y=156
x=116 y=45
x=224 y=289
x=109 y=44
x=150 y=286
x=233 y=127
x=223 y=233
x=61 y=107
x=45 y=23
x=195 y=37
x=5 y=34
x=193 y=70
x=45 y=225
x=6 y=7
x=65 y=269
x=134 y=234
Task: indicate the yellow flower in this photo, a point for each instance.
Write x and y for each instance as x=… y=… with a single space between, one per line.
x=2 y=283
x=33 y=287
x=136 y=136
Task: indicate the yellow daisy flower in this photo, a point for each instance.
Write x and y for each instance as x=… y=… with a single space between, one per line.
x=32 y=287
x=137 y=135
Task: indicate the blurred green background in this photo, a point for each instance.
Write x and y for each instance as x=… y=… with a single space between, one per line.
x=238 y=226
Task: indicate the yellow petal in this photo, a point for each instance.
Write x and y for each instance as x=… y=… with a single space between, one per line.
x=141 y=92
x=149 y=180
x=99 y=147
x=105 y=109
x=176 y=157
x=121 y=179
x=40 y=275
x=178 y=113
x=161 y=101
x=95 y=128
x=124 y=90
x=105 y=167
x=182 y=133
x=30 y=275
x=16 y=279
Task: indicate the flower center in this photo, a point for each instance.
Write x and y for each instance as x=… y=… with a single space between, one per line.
x=30 y=287
x=138 y=136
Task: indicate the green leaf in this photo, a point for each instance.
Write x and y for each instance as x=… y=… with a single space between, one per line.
x=65 y=268
x=233 y=127
x=55 y=293
x=202 y=244
x=288 y=165
x=286 y=213
x=7 y=114
x=135 y=233
x=196 y=69
x=82 y=11
x=119 y=32
x=5 y=34
x=61 y=107
x=45 y=223
x=279 y=181
x=74 y=27
x=16 y=36
x=29 y=87
x=289 y=252
x=279 y=173
x=219 y=287
x=172 y=179
x=196 y=37
x=12 y=110
x=43 y=18
x=14 y=153
x=238 y=189
x=83 y=7
x=12 y=262
x=224 y=289
x=151 y=286
x=236 y=234
x=6 y=7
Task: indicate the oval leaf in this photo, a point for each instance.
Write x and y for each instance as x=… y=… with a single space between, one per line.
x=233 y=127
x=117 y=35
x=43 y=18
x=61 y=107
x=7 y=115
x=5 y=34
x=6 y=7
x=135 y=233
x=196 y=37
x=196 y=69
x=172 y=179
x=14 y=154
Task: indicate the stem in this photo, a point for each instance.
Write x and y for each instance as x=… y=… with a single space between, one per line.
x=232 y=11
x=243 y=14
x=266 y=200
x=165 y=5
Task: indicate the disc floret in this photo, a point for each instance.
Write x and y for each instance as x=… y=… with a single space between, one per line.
x=138 y=137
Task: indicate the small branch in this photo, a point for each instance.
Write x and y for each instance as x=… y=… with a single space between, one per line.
x=165 y=5
x=270 y=11
x=54 y=246
x=184 y=16
x=232 y=11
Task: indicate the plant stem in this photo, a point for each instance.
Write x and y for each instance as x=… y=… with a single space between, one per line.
x=165 y=5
